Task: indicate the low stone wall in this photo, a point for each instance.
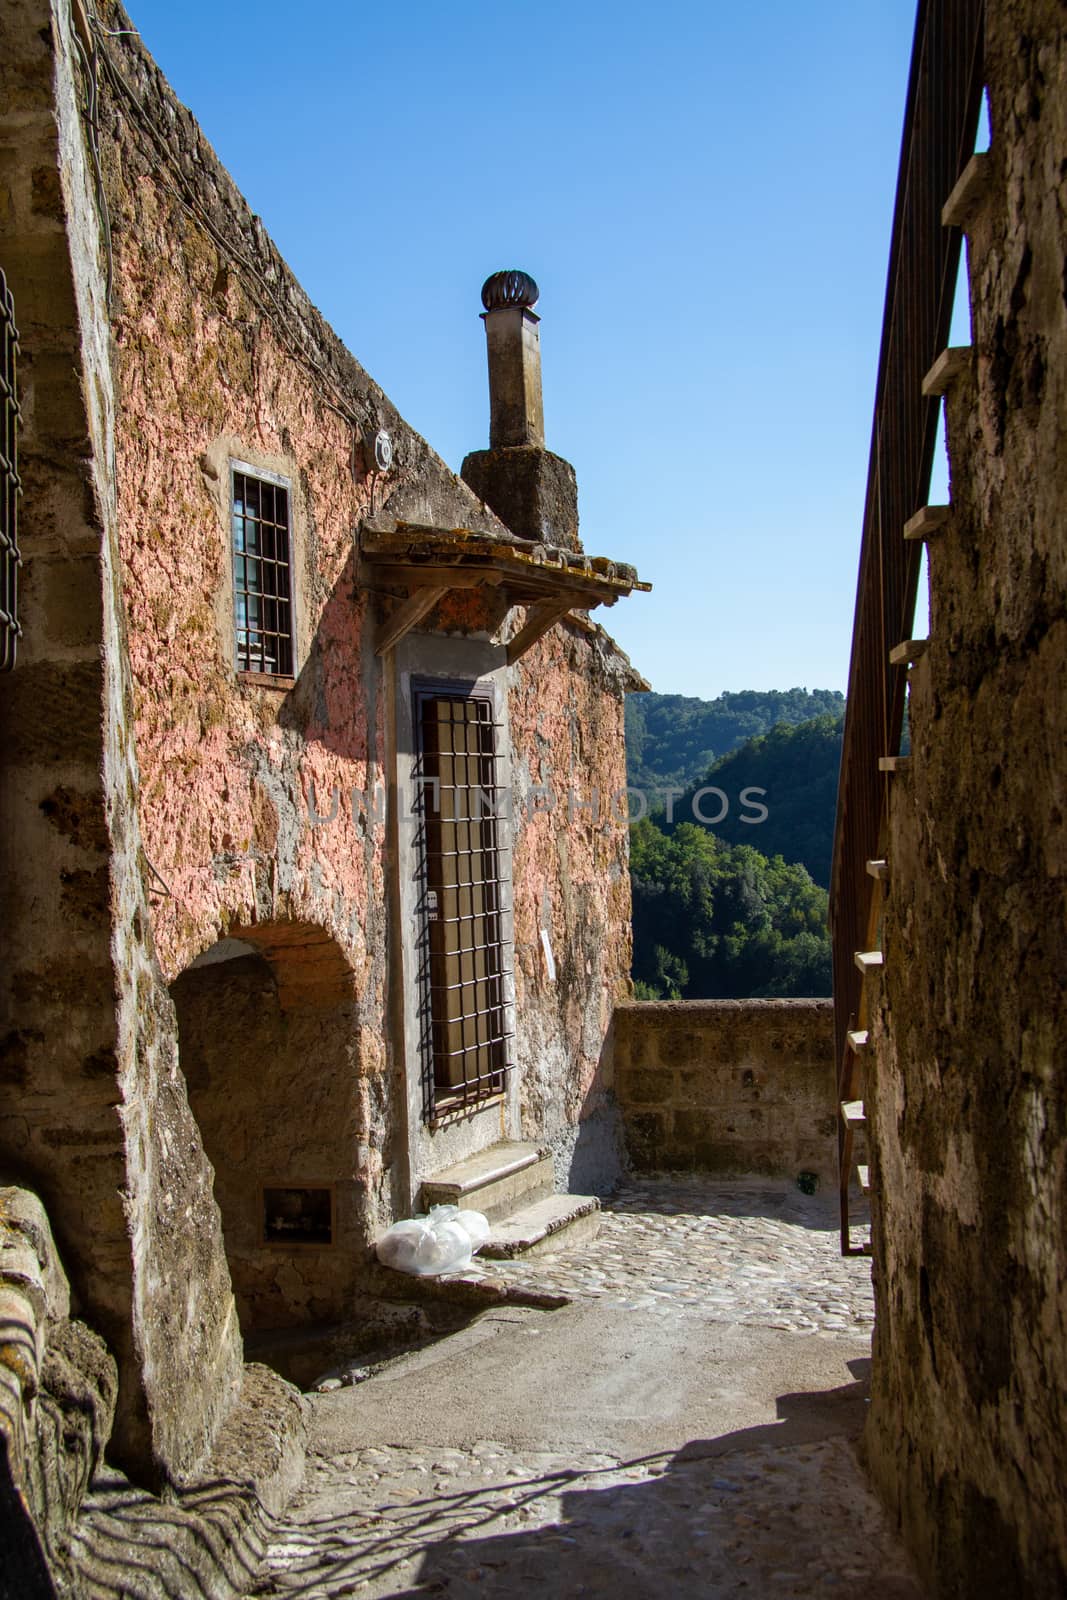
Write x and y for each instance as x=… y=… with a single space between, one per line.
x=730 y=1086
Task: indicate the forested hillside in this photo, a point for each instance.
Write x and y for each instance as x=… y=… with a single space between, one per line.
x=729 y=897
x=672 y=739
x=796 y=767
x=721 y=921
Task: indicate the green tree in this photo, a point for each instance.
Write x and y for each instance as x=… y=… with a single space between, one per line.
x=719 y=921
x=795 y=767
x=672 y=739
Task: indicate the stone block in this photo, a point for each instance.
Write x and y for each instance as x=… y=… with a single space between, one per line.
x=689 y=1127
x=727 y=1157
x=647 y=1087
x=532 y=491
x=681 y=1047
x=52 y=714
x=706 y=1085
x=264 y=1438
x=646 y=1138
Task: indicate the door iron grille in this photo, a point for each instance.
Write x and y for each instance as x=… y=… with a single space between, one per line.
x=463 y=901
x=10 y=487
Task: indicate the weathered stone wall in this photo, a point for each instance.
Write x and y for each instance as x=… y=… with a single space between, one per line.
x=246 y=796
x=969 y=1160
x=728 y=1086
x=155 y=802
x=572 y=880
x=58 y=1385
x=253 y=1055
x=92 y=1110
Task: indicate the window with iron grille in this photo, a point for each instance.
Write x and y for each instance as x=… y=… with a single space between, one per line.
x=262 y=572
x=464 y=956
x=10 y=632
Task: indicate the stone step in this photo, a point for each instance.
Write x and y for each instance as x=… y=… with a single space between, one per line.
x=927 y=522
x=854 y=1114
x=494 y=1182
x=908 y=652
x=557 y=1223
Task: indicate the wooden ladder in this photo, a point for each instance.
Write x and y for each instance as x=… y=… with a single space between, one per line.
x=940 y=182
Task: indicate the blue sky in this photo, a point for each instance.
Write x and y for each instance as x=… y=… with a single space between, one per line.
x=704 y=193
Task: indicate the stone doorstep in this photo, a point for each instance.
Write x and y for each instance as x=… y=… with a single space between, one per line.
x=494 y=1181
x=558 y=1221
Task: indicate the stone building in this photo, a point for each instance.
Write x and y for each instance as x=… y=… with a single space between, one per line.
x=312 y=885
x=229 y=1052
x=961 y=1016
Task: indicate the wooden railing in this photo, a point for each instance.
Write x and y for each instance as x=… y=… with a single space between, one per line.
x=940 y=125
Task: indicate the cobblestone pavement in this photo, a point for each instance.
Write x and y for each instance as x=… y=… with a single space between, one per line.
x=489 y=1523
x=758 y=1512
x=753 y=1252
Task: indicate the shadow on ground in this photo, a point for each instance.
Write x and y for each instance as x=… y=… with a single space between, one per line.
x=774 y=1509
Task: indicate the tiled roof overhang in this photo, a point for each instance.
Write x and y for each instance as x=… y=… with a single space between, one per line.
x=419 y=565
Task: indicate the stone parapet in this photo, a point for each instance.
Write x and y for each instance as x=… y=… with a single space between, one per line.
x=727 y=1086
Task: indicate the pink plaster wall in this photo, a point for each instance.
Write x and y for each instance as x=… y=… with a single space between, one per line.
x=215 y=361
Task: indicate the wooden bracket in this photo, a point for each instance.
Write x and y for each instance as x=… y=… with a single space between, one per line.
x=927 y=521
x=538 y=621
x=902 y=655
x=969 y=192
x=405 y=617
x=946 y=369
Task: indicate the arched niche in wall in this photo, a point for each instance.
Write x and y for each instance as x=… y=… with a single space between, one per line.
x=268 y=1037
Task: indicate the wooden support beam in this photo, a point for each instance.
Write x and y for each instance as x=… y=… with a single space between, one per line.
x=538 y=621
x=404 y=618
x=869 y=960
x=969 y=192
x=902 y=655
x=927 y=521
x=892 y=763
x=863 y=1173
x=879 y=870
x=436 y=577
x=946 y=369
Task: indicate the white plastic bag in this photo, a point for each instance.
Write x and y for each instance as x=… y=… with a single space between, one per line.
x=427 y=1246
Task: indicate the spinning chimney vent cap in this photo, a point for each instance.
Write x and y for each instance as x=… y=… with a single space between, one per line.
x=511 y=288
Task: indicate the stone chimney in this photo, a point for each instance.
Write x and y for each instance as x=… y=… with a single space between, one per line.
x=533 y=491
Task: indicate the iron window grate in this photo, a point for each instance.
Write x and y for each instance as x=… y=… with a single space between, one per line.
x=262 y=575
x=10 y=486
x=464 y=899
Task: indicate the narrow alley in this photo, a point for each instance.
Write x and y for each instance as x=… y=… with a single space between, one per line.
x=684 y=1423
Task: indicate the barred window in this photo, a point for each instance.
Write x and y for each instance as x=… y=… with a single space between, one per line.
x=10 y=632
x=262 y=573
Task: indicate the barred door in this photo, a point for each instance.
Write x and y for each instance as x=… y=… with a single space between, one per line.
x=464 y=956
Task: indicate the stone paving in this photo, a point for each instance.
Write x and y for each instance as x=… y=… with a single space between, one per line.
x=749 y=1251
x=752 y=1514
